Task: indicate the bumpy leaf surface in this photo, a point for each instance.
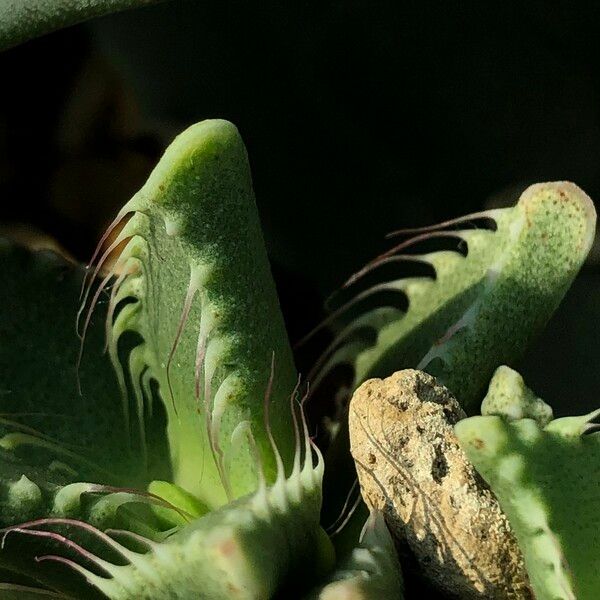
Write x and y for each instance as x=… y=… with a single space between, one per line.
x=548 y=483
x=21 y=20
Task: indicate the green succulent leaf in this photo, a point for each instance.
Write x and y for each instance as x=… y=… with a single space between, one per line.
x=200 y=295
x=22 y=20
x=547 y=481
x=370 y=572
x=64 y=445
x=65 y=419
x=188 y=304
x=508 y=396
x=247 y=549
x=476 y=306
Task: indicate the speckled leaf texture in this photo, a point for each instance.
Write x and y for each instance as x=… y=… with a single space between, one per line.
x=195 y=271
x=21 y=20
x=478 y=306
x=198 y=405
x=548 y=483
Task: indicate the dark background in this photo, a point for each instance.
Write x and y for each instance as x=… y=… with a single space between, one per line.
x=359 y=117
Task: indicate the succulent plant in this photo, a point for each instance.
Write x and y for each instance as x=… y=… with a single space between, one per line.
x=547 y=479
x=209 y=333
x=154 y=442
x=457 y=320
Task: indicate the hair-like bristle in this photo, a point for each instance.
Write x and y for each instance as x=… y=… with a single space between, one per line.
x=347 y=515
x=88 y=575
x=396 y=258
x=65 y=541
x=57 y=521
x=185 y=313
x=261 y=491
x=343 y=512
x=109 y=230
x=308 y=444
x=297 y=443
x=124 y=236
x=317 y=370
x=442 y=225
x=86 y=324
x=408 y=243
x=120 y=263
x=336 y=314
x=266 y=403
